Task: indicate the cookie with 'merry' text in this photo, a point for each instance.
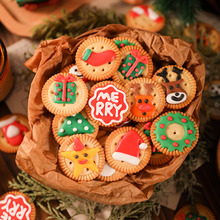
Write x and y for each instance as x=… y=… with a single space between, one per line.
x=108 y=103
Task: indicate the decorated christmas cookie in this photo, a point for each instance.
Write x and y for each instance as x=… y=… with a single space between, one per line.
x=174 y=133
x=98 y=58
x=204 y=213
x=126 y=41
x=127 y=150
x=134 y=2
x=12 y=130
x=135 y=63
x=109 y=174
x=147 y=99
x=179 y=86
x=108 y=103
x=64 y=94
x=157 y=158
x=64 y=127
x=145 y=17
x=81 y=158
x=15 y=205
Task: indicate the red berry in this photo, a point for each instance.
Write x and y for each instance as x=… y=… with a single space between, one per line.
x=184 y=120
x=187 y=141
x=162 y=125
x=169 y=118
x=122 y=45
x=175 y=144
x=190 y=131
x=163 y=137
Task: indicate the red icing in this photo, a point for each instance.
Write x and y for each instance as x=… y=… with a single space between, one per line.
x=14 y=208
x=181 y=216
x=187 y=141
x=108 y=104
x=82 y=161
x=169 y=118
x=122 y=45
x=175 y=144
x=190 y=131
x=147 y=125
x=78 y=146
x=64 y=80
x=183 y=120
x=162 y=126
x=145 y=107
x=163 y=137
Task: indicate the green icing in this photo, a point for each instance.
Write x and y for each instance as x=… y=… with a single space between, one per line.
x=147 y=132
x=168 y=143
x=125 y=42
x=191 y=216
x=124 y=67
x=76 y=124
x=87 y=54
x=70 y=93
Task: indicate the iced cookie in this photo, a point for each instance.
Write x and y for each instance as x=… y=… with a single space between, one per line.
x=145 y=17
x=12 y=130
x=179 y=85
x=134 y=2
x=64 y=94
x=147 y=99
x=108 y=104
x=109 y=174
x=64 y=127
x=135 y=63
x=174 y=133
x=81 y=158
x=17 y=206
x=126 y=41
x=98 y=58
x=204 y=213
x=157 y=158
x=127 y=150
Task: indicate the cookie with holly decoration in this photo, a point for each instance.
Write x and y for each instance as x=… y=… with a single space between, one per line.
x=145 y=17
x=179 y=85
x=127 y=150
x=123 y=41
x=98 y=58
x=135 y=63
x=81 y=158
x=203 y=213
x=12 y=130
x=147 y=99
x=174 y=133
x=16 y=205
x=157 y=158
x=64 y=94
x=64 y=127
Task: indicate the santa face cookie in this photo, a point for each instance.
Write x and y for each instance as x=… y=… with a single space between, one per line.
x=64 y=127
x=135 y=63
x=81 y=158
x=174 y=133
x=179 y=86
x=127 y=150
x=64 y=94
x=147 y=99
x=145 y=17
x=12 y=130
x=16 y=205
x=98 y=58
x=108 y=104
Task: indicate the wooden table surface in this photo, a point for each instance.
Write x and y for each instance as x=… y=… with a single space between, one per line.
x=206 y=174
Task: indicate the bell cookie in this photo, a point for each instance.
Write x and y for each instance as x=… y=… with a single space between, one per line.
x=109 y=174
x=145 y=17
x=17 y=205
x=204 y=213
x=127 y=150
x=64 y=127
x=147 y=99
x=157 y=158
x=64 y=94
x=12 y=130
x=179 y=85
x=108 y=103
x=81 y=158
x=135 y=63
x=174 y=133
x=98 y=58
x=123 y=41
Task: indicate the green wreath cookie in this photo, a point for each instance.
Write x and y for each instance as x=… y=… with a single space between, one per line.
x=174 y=133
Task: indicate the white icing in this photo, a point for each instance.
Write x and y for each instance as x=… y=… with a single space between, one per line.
x=79 y=121
x=69 y=122
x=108 y=170
x=74 y=129
x=138 y=10
x=61 y=130
x=12 y=131
x=143 y=146
x=126 y=158
x=171 y=101
x=8 y=121
x=75 y=71
x=152 y=14
x=86 y=128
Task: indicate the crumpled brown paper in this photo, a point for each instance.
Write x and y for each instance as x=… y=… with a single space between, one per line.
x=37 y=154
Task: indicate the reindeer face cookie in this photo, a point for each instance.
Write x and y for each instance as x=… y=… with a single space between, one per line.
x=179 y=86
x=147 y=99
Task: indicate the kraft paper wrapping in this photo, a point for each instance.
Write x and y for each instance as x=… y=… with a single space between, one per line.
x=37 y=154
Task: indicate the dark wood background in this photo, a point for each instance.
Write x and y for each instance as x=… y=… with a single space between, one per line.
x=207 y=174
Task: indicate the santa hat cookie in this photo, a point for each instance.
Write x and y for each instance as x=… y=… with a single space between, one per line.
x=12 y=130
x=127 y=150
